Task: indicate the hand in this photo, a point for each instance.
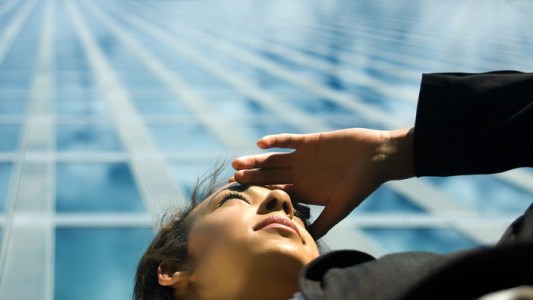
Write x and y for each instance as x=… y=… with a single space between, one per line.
x=337 y=169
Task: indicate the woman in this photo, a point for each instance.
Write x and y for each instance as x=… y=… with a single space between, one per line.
x=241 y=242
x=247 y=242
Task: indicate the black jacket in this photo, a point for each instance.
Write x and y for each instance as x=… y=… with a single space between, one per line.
x=465 y=124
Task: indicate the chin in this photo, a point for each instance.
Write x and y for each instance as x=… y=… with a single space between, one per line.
x=286 y=252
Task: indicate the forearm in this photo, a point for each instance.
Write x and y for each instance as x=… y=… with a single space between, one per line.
x=473 y=124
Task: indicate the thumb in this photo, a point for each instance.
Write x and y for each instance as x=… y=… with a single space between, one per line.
x=346 y=199
x=335 y=211
x=329 y=217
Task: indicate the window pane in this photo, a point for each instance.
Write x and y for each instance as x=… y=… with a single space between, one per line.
x=82 y=107
x=419 y=239
x=160 y=107
x=385 y=200
x=188 y=173
x=96 y=187
x=86 y=138
x=13 y=94
x=75 y=92
x=9 y=134
x=12 y=106
x=5 y=176
x=232 y=103
x=97 y=263
x=485 y=194
x=186 y=139
x=257 y=131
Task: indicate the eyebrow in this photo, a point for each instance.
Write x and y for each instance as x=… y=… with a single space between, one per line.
x=238 y=188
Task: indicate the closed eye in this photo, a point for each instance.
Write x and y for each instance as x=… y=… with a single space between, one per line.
x=232 y=196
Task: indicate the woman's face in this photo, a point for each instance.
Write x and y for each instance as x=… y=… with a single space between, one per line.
x=246 y=243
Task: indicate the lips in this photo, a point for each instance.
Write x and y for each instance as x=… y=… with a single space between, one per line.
x=278 y=222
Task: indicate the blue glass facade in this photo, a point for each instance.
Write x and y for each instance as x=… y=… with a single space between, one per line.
x=108 y=108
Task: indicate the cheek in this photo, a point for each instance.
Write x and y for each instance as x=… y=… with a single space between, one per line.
x=227 y=229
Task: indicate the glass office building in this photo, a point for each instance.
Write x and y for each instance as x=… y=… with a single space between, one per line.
x=110 y=110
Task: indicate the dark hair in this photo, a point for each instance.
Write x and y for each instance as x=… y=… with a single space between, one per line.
x=169 y=248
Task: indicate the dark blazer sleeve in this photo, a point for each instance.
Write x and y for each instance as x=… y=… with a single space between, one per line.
x=473 y=123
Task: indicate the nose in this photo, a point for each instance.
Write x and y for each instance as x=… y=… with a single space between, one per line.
x=277 y=200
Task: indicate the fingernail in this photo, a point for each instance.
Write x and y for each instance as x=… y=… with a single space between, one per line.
x=261 y=143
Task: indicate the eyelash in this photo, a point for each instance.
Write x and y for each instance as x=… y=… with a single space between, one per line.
x=232 y=195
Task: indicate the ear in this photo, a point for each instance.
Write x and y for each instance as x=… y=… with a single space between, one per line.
x=177 y=280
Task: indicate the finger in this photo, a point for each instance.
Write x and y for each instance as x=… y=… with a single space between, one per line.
x=329 y=217
x=290 y=189
x=277 y=186
x=266 y=160
x=264 y=176
x=282 y=140
x=231 y=179
x=323 y=223
x=287 y=188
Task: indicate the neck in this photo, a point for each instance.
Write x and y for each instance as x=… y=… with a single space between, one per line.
x=272 y=280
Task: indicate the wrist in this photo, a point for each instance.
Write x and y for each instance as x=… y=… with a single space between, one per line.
x=396 y=152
